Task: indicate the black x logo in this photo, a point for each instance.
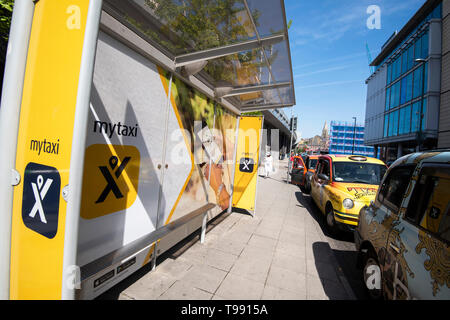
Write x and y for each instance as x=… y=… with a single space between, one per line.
x=112 y=185
x=246 y=165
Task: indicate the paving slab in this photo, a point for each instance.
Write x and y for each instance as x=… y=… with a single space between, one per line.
x=236 y=287
x=286 y=279
x=204 y=277
x=252 y=269
x=182 y=290
x=273 y=293
x=281 y=253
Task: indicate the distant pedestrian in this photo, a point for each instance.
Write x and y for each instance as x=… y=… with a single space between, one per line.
x=268 y=164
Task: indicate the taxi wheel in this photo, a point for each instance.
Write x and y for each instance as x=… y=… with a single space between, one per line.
x=329 y=217
x=307 y=188
x=372 y=276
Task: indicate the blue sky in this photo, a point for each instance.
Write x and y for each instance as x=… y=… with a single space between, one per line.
x=329 y=57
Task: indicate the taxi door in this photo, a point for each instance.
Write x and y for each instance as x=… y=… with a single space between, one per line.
x=318 y=184
x=298 y=171
x=418 y=249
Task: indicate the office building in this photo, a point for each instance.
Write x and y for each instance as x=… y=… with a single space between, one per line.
x=348 y=138
x=408 y=95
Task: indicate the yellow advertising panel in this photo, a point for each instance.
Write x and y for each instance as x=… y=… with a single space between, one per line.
x=44 y=148
x=113 y=175
x=247 y=159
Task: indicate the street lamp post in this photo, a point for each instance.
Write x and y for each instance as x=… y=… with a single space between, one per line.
x=354 y=136
x=420 y=138
x=290 y=145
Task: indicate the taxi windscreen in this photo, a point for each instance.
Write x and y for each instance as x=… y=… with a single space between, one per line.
x=351 y=172
x=312 y=163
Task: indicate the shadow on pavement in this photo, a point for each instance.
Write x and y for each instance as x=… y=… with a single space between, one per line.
x=345 y=258
x=327 y=272
x=346 y=268
x=347 y=262
x=307 y=202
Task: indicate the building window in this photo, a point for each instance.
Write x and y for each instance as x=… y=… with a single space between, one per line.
x=415 y=117
x=386 y=125
x=391 y=125
x=418 y=49
x=409 y=87
x=417 y=90
x=395 y=123
x=395 y=95
x=392 y=99
x=405 y=120
x=403 y=91
x=388 y=96
x=424 y=113
x=410 y=57
x=425 y=46
x=389 y=74
x=398 y=67
x=394 y=70
x=404 y=61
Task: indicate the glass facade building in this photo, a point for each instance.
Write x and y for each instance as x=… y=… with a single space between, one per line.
x=403 y=94
x=407 y=88
x=346 y=138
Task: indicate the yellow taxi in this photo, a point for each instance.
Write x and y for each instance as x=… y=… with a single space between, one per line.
x=342 y=185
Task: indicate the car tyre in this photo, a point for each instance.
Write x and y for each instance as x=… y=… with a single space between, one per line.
x=307 y=187
x=329 y=220
x=372 y=276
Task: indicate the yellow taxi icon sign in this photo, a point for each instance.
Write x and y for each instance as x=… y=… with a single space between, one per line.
x=110 y=179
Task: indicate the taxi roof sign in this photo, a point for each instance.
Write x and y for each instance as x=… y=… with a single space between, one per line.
x=358 y=158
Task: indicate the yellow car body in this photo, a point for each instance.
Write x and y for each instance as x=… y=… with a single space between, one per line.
x=354 y=179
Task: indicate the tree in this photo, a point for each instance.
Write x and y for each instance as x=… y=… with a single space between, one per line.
x=6 y=7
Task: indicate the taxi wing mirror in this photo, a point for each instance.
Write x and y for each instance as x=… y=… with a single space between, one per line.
x=323 y=177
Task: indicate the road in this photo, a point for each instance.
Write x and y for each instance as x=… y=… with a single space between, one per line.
x=341 y=244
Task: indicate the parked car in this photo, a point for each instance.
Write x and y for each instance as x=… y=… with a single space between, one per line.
x=343 y=185
x=403 y=236
x=298 y=172
x=310 y=163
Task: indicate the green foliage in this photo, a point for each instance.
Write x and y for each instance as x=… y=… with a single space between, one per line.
x=6 y=7
x=194 y=25
x=257 y=113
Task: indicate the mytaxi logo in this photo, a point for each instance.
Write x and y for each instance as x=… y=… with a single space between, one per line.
x=110 y=179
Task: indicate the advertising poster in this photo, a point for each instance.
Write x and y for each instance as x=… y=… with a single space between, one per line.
x=44 y=150
x=156 y=151
x=247 y=159
x=209 y=131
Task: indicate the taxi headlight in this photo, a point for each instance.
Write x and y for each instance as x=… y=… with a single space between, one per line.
x=348 y=204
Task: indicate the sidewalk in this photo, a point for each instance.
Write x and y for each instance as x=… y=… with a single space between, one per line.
x=281 y=254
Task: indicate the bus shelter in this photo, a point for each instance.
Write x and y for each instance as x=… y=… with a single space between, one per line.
x=120 y=129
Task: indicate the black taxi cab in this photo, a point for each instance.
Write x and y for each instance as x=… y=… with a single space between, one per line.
x=342 y=185
x=403 y=236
